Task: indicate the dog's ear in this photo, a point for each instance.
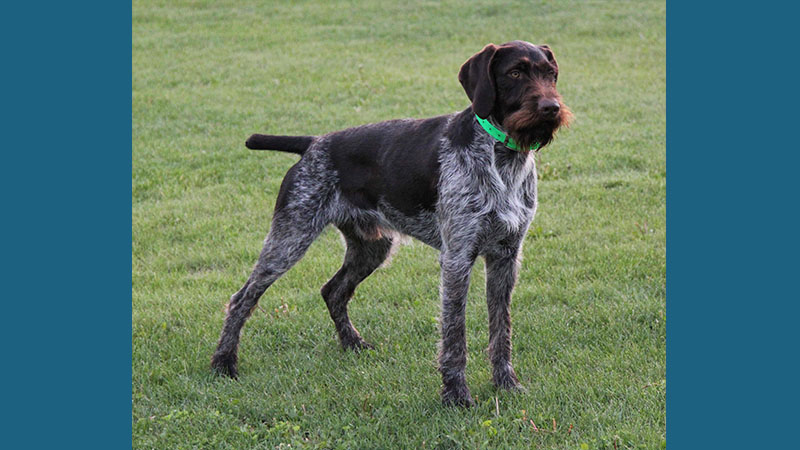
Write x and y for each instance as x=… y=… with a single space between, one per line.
x=478 y=82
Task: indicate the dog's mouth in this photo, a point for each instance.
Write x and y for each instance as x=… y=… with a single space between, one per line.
x=527 y=126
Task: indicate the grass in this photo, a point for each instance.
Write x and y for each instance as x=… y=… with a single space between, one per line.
x=589 y=308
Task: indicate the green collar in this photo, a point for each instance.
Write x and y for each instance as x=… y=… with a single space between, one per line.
x=502 y=137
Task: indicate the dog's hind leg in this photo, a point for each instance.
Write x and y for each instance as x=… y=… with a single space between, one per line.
x=361 y=259
x=295 y=225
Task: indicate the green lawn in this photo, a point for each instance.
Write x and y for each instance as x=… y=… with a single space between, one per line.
x=589 y=308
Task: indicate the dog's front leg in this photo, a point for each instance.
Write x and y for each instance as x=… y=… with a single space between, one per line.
x=456 y=265
x=501 y=275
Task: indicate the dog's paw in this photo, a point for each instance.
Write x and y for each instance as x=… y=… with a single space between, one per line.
x=357 y=345
x=225 y=365
x=505 y=378
x=457 y=395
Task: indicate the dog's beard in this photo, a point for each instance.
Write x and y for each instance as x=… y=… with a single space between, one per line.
x=527 y=127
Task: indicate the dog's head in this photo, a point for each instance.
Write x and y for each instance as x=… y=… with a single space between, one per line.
x=516 y=84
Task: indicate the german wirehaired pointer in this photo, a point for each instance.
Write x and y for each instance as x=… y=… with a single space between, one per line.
x=463 y=183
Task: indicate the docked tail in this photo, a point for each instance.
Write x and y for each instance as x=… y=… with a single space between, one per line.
x=292 y=144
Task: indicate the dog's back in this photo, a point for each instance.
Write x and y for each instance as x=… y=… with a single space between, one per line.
x=395 y=162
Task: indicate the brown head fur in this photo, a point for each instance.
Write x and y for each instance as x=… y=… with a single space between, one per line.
x=527 y=125
x=513 y=83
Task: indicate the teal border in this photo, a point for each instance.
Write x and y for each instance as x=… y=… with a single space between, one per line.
x=66 y=183
x=732 y=235
x=732 y=245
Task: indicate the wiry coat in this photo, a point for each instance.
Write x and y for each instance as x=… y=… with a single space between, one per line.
x=442 y=180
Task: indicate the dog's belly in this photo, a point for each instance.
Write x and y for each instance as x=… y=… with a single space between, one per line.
x=422 y=226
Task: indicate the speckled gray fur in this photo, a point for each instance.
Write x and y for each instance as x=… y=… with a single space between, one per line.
x=442 y=180
x=487 y=198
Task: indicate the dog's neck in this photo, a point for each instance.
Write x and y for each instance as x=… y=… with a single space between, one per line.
x=497 y=125
x=498 y=144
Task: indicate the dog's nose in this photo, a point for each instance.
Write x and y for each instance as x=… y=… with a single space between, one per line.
x=549 y=107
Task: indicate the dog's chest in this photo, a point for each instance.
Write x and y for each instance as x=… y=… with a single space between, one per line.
x=496 y=188
x=513 y=190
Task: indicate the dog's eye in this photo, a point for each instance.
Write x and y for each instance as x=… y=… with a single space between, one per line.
x=515 y=74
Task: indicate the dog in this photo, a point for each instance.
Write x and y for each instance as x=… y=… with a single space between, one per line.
x=463 y=183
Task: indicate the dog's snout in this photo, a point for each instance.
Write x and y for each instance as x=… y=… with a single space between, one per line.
x=549 y=107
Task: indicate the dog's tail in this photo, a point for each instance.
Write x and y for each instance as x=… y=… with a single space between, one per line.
x=292 y=144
